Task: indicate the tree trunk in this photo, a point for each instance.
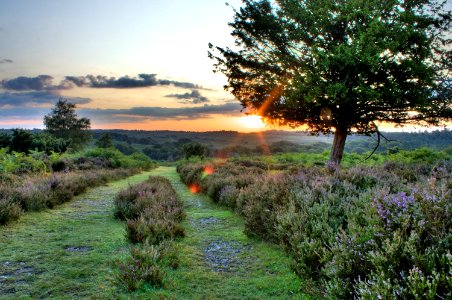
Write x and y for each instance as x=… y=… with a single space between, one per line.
x=337 y=149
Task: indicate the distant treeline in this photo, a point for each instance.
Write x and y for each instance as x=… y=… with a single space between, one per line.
x=168 y=145
x=438 y=140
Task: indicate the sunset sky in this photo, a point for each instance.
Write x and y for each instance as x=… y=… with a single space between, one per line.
x=138 y=64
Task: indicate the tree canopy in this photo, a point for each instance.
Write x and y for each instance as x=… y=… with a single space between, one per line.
x=63 y=122
x=105 y=141
x=195 y=149
x=340 y=66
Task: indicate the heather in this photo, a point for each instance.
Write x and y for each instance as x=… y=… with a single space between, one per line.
x=366 y=231
x=153 y=212
x=36 y=181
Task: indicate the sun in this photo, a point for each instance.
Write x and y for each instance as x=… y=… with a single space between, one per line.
x=252 y=122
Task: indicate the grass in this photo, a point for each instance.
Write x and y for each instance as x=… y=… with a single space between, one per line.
x=70 y=252
x=258 y=271
x=67 y=252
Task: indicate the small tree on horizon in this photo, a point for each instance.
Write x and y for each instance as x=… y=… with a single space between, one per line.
x=63 y=122
x=340 y=66
x=195 y=149
x=105 y=141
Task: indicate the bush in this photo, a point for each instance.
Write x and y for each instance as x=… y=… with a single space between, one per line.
x=40 y=180
x=20 y=163
x=9 y=210
x=155 y=196
x=34 y=193
x=195 y=149
x=152 y=231
x=153 y=213
x=362 y=232
x=147 y=264
x=218 y=179
x=143 y=266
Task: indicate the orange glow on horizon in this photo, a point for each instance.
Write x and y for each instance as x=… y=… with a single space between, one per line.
x=252 y=122
x=207 y=123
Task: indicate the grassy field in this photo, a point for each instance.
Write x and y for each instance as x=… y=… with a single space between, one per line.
x=218 y=261
x=67 y=252
x=70 y=252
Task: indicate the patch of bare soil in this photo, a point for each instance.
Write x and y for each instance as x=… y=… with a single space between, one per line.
x=206 y=222
x=13 y=274
x=223 y=256
x=78 y=249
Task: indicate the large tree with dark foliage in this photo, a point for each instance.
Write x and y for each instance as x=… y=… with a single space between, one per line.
x=63 y=122
x=341 y=66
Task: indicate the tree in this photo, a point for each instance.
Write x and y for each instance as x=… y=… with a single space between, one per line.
x=340 y=66
x=21 y=140
x=63 y=122
x=5 y=140
x=105 y=141
x=195 y=149
x=48 y=143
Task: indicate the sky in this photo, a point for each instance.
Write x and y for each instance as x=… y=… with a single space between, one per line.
x=138 y=64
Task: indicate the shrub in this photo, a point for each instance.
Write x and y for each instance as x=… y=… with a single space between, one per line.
x=152 y=231
x=153 y=213
x=143 y=266
x=195 y=149
x=33 y=193
x=20 y=163
x=155 y=197
x=218 y=179
x=362 y=232
x=147 y=264
x=9 y=210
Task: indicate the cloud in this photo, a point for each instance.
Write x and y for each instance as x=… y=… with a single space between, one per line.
x=194 y=97
x=161 y=113
x=38 y=83
x=45 y=82
x=6 y=61
x=132 y=115
x=22 y=83
x=185 y=85
x=27 y=99
x=142 y=80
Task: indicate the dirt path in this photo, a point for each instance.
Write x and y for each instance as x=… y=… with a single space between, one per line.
x=67 y=252
x=218 y=261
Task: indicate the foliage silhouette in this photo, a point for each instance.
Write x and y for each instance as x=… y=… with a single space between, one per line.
x=63 y=122
x=340 y=66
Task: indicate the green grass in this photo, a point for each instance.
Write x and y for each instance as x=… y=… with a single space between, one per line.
x=261 y=270
x=35 y=262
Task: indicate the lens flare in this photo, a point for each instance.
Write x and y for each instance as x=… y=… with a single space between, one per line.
x=194 y=188
x=208 y=170
x=252 y=122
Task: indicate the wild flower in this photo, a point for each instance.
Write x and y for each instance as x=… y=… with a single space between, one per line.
x=362 y=232
x=393 y=208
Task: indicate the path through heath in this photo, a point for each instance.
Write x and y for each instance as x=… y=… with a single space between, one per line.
x=70 y=252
